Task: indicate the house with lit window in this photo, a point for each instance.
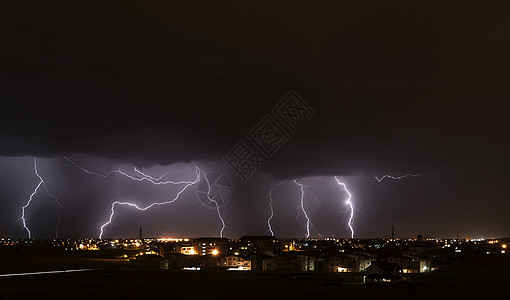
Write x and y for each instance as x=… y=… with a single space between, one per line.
x=339 y=263
x=361 y=262
x=150 y=261
x=381 y=272
x=410 y=264
x=234 y=262
x=210 y=246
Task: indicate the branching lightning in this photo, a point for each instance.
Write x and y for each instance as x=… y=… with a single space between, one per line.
x=271 y=208
x=43 y=184
x=395 y=178
x=351 y=207
x=87 y=171
x=199 y=175
x=155 y=181
x=150 y=205
x=145 y=177
x=302 y=206
x=150 y=177
x=214 y=201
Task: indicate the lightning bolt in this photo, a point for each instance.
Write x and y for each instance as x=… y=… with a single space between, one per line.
x=154 y=181
x=145 y=177
x=302 y=206
x=351 y=207
x=215 y=203
x=150 y=177
x=199 y=176
x=23 y=210
x=271 y=208
x=395 y=178
x=150 y=205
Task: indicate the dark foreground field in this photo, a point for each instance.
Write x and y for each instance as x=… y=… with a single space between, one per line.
x=477 y=278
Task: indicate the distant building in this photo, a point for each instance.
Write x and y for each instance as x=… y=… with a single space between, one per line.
x=342 y=264
x=234 y=262
x=383 y=273
x=150 y=261
x=178 y=261
x=255 y=245
x=210 y=246
x=282 y=264
x=309 y=262
x=361 y=262
x=410 y=264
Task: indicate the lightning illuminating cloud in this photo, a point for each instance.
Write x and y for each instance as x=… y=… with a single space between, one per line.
x=149 y=206
x=302 y=206
x=351 y=207
x=43 y=184
x=199 y=175
x=150 y=177
x=271 y=208
x=395 y=178
x=156 y=181
x=144 y=177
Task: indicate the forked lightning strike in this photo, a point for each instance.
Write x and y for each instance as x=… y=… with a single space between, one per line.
x=351 y=207
x=271 y=208
x=155 y=181
x=199 y=174
x=149 y=206
x=302 y=206
x=214 y=201
x=43 y=184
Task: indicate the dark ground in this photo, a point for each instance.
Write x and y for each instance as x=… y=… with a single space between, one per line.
x=477 y=278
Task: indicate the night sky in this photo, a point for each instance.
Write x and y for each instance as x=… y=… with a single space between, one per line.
x=396 y=88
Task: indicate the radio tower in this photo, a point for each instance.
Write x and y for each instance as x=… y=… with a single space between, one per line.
x=392 y=232
x=141 y=237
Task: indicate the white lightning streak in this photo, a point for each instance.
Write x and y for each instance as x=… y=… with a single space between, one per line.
x=87 y=171
x=198 y=171
x=215 y=202
x=271 y=208
x=351 y=206
x=395 y=178
x=199 y=175
x=43 y=184
x=152 y=180
x=150 y=177
x=302 y=205
x=145 y=177
x=45 y=272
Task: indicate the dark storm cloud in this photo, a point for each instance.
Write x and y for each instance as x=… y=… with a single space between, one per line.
x=395 y=86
